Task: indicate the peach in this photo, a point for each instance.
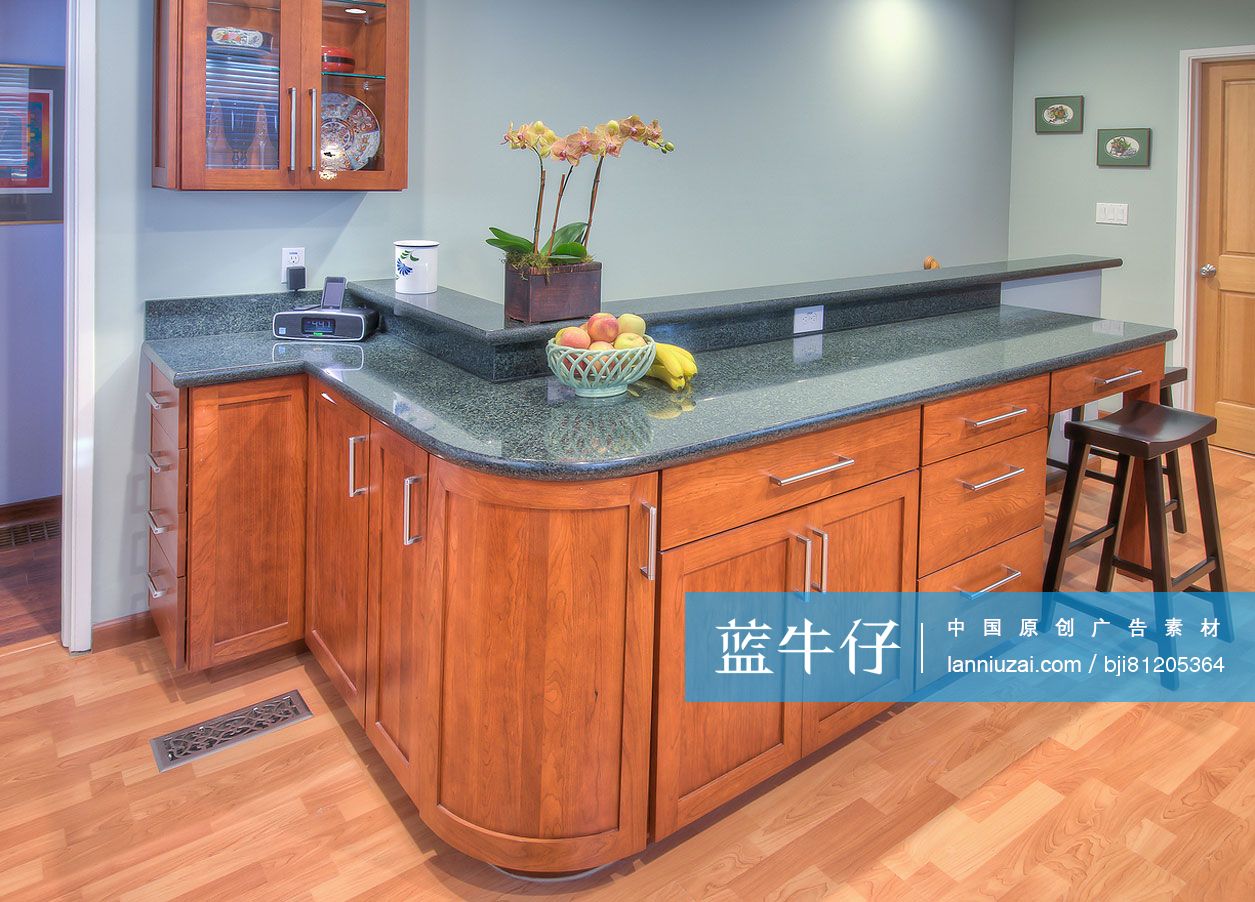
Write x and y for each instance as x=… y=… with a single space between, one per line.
x=629 y=340
x=630 y=322
x=603 y=327
x=601 y=346
x=573 y=337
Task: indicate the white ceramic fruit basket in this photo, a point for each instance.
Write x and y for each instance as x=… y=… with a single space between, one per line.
x=602 y=373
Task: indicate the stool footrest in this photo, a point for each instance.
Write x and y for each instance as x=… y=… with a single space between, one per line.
x=1184 y=581
x=1100 y=476
x=1090 y=538
x=1104 y=454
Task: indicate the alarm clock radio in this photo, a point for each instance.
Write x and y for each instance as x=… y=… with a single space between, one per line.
x=330 y=321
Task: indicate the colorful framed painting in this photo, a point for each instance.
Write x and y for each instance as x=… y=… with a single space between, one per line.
x=1129 y=147
x=32 y=151
x=1063 y=115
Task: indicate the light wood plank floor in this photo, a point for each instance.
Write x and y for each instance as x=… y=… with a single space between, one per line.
x=936 y=802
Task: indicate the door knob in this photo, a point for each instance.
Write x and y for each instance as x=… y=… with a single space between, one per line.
x=1208 y=271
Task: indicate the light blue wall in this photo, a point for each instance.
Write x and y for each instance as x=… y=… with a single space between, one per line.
x=815 y=138
x=1124 y=56
x=31 y=296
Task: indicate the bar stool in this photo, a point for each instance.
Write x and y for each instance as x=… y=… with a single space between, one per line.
x=1175 y=502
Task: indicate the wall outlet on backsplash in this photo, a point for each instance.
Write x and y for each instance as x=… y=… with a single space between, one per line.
x=292 y=256
x=808 y=319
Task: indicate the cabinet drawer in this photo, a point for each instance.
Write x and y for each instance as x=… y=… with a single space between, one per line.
x=710 y=496
x=1103 y=378
x=167 y=480
x=168 y=528
x=981 y=498
x=995 y=569
x=167 y=410
x=984 y=418
x=167 y=602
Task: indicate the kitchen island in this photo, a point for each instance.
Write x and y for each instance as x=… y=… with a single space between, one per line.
x=493 y=574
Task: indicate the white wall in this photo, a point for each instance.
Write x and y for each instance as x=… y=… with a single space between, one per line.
x=1124 y=56
x=31 y=296
x=814 y=138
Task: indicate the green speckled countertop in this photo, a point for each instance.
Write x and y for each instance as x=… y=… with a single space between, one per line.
x=742 y=397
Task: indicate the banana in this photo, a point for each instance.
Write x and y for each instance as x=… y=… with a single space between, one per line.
x=688 y=366
x=667 y=356
x=662 y=374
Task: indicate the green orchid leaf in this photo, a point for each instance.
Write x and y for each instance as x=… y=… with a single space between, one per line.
x=509 y=236
x=568 y=233
x=564 y=259
x=510 y=247
x=571 y=249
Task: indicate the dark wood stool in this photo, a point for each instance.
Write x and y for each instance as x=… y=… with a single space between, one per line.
x=1175 y=502
x=1145 y=432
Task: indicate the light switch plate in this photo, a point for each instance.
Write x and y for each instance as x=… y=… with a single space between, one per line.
x=808 y=319
x=292 y=256
x=1111 y=214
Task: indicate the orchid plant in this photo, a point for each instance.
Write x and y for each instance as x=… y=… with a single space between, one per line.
x=568 y=244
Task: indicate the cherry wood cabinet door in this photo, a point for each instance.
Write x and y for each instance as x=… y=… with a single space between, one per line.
x=537 y=660
x=398 y=512
x=707 y=753
x=871 y=537
x=246 y=534
x=339 y=541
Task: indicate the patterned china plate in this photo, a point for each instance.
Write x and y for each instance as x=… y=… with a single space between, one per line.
x=349 y=133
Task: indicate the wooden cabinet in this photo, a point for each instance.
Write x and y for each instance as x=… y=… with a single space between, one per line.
x=246 y=524
x=396 y=598
x=280 y=94
x=338 y=542
x=536 y=666
x=167 y=512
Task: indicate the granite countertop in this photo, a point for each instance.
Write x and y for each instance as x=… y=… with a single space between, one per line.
x=743 y=396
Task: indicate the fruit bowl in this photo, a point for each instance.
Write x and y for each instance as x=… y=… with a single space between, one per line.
x=600 y=373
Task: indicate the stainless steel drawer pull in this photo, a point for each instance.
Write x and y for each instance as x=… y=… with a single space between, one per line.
x=292 y=131
x=156 y=467
x=157 y=405
x=354 y=441
x=841 y=464
x=1114 y=379
x=1012 y=576
x=327 y=397
x=1000 y=418
x=153 y=590
x=806 y=564
x=407 y=537
x=824 y=541
x=315 y=118
x=154 y=528
x=978 y=486
x=651 y=567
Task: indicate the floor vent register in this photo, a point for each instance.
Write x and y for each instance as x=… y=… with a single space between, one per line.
x=227 y=730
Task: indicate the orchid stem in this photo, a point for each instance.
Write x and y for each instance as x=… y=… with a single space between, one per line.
x=540 y=205
x=557 y=208
x=592 y=202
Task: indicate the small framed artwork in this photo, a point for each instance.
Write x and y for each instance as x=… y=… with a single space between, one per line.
x=1124 y=147
x=1060 y=115
x=32 y=145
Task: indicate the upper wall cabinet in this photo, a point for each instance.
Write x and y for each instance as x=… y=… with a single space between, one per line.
x=281 y=95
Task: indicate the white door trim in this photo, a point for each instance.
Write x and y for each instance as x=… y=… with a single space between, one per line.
x=1187 y=198
x=80 y=326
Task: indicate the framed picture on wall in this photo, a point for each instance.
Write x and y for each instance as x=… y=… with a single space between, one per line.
x=1063 y=115
x=1129 y=147
x=32 y=145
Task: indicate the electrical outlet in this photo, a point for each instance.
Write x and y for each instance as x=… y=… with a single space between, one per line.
x=292 y=256
x=808 y=319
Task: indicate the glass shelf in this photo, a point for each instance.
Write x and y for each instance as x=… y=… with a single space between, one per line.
x=340 y=4
x=353 y=75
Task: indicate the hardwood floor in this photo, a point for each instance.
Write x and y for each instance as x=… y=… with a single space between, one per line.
x=1034 y=802
x=30 y=591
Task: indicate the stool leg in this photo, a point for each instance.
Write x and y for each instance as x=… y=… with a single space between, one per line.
x=1210 y=518
x=1170 y=680
x=1173 y=469
x=1115 y=516
x=1160 y=564
x=1068 y=503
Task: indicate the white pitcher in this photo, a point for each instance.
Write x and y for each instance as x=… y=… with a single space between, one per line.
x=416 y=266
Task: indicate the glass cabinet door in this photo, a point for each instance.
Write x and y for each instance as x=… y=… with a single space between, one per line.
x=358 y=85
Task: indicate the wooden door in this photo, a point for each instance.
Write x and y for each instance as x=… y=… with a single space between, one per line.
x=1223 y=363
x=365 y=84
x=339 y=541
x=537 y=660
x=398 y=530
x=239 y=65
x=707 y=753
x=246 y=534
x=871 y=534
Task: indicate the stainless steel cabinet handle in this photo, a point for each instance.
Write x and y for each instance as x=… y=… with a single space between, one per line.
x=327 y=397
x=156 y=467
x=153 y=590
x=292 y=132
x=824 y=541
x=154 y=528
x=406 y=537
x=354 y=441
x=1012 y=576
x=1114 y=379
x=806 y=565
x=1000 y=418
x=1208 y=270
x=841 y=464
x=978 y=486
x=313 y=130
x=157 y=405
x=651 y=567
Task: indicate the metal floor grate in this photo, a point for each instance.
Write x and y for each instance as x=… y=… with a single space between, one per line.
x=25 y=533
x=199 y=740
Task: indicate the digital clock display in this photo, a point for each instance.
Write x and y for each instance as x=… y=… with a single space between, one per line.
x=313 y=325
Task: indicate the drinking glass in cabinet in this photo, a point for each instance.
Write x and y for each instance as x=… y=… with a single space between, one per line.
x=242 y=89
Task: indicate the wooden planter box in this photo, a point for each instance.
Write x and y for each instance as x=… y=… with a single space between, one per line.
x=564 y=292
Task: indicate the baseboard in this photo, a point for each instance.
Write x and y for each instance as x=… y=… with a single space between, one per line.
x=123 y=631
x=37 y=510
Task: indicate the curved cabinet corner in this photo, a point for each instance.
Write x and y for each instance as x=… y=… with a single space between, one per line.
x=536 y=672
